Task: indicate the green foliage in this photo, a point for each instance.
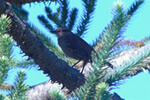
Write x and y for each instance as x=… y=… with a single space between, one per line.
x=99 y=82
x=64 y=11
x=96 y=87
x=56 y=95
x=5 y=48
x=4 y=24
x=89 y=9
x=17 y=92
x=146 y=39
x=45 y=22
x=113 y=32
x=46 y=40
x=4 y=68
x=50 y=44
x=67 y=18
x=134 y=7
x=60 y=17
x=129 y=67
x=104 y=46
x=25 y=64
x=6 y=45
x=7 y=61
x=73 y=15
x=102 y=92
x=20 y=12
x=1 y=97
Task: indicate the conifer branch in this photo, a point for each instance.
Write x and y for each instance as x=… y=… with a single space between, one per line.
x=108 y=39
x=130 y=12
x=47 y=41
x=25 y=64
x=64 y=12
x=42 y=91
x=129 y=63
x=116 y=61
x=72 y=18
x=134 y=7
x=6 y=48
x=20 y=12
x=21 y=2
x=19 y=88
x=89 y=9
x=146 y=39
x=33 y=47
x=53 y=16
x=61 y=17
x=45 y=22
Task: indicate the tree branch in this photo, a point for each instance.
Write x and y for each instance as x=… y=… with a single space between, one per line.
x=44 y=88
x=33 y=47
x=42 y=91
x=20 y=2
x=125 y=57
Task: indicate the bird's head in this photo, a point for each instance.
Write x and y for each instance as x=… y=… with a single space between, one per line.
x=61 y=31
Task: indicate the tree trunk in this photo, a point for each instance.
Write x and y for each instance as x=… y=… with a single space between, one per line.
x=32 y=46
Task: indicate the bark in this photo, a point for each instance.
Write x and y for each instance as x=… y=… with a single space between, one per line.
x=32 y=46
x=20 y=2
x=42 y=91
x=117 y=60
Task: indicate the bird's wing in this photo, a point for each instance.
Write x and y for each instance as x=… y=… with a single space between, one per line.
x=75 y=46
x=79 y=45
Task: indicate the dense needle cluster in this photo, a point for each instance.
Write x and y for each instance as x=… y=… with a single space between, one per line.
x=73 y=46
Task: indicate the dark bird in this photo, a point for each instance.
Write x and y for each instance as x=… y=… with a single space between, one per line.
x=73 y=46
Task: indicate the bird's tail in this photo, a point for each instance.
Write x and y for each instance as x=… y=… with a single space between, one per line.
x=91 y=55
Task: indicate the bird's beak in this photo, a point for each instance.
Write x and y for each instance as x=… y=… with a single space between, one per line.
x=53 y=31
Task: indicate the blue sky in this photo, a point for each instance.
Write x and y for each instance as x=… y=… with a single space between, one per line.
x=135 y=88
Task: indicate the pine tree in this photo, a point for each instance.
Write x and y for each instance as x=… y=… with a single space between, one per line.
x=7 y=62
x=99 y=79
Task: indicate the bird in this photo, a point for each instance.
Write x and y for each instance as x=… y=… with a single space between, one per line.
x=73 y=46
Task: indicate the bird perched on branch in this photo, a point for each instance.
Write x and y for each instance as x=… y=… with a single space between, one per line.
x=73 y=46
